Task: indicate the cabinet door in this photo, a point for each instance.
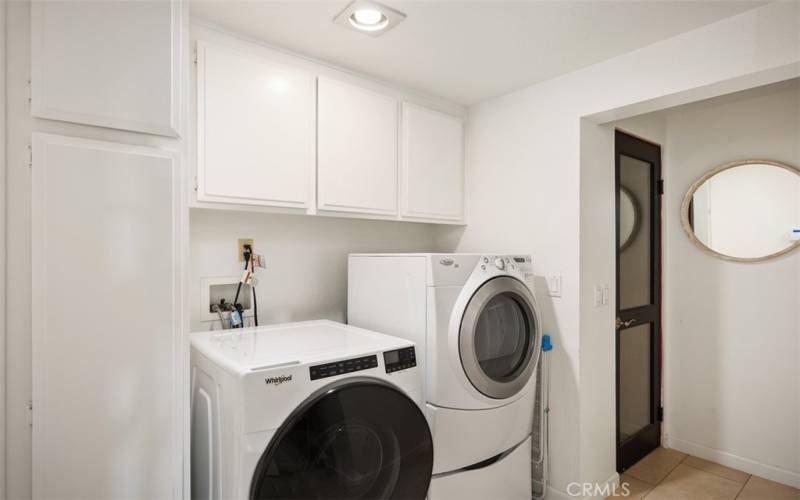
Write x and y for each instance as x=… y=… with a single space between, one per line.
x=433 y=164
x=255 y=130
x=106 y=341
x=357 y=149
x=110 y=64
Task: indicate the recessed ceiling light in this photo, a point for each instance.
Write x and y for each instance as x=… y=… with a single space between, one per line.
x=368 y=17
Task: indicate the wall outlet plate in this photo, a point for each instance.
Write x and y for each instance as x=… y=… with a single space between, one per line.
x=242 y=243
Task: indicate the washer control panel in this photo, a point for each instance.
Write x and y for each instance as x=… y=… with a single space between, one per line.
x=399 y=359
x=342 y=367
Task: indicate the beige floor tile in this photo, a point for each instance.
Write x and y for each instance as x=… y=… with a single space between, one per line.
x=688 y=483
x=656 y=466
x=720 y=470
x=758 y=488
x=632 y=488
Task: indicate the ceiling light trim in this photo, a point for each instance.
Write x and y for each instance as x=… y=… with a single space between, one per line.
x=389 y=17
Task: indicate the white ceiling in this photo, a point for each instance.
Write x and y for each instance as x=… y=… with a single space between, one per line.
x=469 y=51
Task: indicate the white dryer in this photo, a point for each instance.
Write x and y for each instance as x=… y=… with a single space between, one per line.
x=307 y=410
x=477 y=326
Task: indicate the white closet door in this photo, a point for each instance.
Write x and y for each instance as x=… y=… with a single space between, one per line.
x=433 y=164
x=357 y=149
x=255 y=130
x=106 y=419
x=107 y=63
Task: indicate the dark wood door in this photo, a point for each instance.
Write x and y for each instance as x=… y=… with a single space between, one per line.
x=638 y=325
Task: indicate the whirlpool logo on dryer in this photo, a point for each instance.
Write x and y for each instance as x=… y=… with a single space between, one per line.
x=278 y=380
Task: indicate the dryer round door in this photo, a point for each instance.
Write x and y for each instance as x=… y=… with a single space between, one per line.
x=499 y=339
x=355 y=439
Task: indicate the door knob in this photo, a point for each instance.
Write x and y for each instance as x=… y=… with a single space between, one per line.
x=624 y=324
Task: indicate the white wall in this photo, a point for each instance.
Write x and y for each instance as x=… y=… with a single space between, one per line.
x=306 y=274
x=732 y=337
x=531 y=161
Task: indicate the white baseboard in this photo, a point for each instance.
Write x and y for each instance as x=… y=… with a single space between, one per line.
x=612 y=483
x=604 y=490
x=750 y=466
x=554 y=494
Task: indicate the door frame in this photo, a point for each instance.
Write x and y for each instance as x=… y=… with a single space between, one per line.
x=641 y=443
x=4 y=185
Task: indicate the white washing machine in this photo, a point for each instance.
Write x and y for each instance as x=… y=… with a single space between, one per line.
x=476 y=325
x=307 y=410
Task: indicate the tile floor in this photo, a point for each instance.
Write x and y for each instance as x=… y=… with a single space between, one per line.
x=667 y=474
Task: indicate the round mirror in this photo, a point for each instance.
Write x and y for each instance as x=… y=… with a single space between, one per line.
x=745 y=211
x=628 y=218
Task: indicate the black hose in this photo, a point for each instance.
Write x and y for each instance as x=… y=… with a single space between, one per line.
x=236 y=304
x=255 y=307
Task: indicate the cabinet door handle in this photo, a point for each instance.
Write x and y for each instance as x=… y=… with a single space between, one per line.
x=624 y=324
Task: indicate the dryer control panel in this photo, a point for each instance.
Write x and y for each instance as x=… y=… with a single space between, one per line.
x=399 y=359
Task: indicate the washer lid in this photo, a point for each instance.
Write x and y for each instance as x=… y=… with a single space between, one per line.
x=241 y=351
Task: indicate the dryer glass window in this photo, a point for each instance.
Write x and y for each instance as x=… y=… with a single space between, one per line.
x=502 y=337
x=357 y=439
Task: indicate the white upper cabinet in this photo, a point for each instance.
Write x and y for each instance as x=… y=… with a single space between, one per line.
x=255 y=130
x=357 y=149
x=432 y=185
x=109 y=64
x=277 y=132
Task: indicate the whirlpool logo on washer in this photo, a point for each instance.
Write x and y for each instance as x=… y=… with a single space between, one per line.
x=278 y=380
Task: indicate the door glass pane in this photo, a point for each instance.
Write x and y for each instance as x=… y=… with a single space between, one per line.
x=362 y=440
x=634 y=380
x=634 y=232
x=502 y=337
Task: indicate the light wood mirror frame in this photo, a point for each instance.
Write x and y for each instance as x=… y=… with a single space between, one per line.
x=687 y=202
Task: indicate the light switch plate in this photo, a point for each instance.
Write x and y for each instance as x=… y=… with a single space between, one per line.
x=554 y=285
x=598 y=295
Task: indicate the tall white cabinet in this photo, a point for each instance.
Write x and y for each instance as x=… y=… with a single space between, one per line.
x=105 y=332
x=108 y=226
